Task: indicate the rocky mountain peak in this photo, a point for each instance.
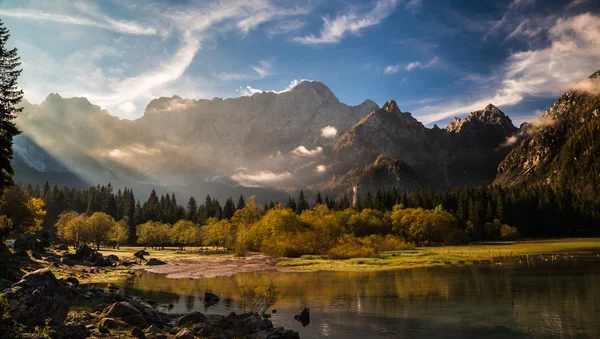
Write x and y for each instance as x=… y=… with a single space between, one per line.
x=490 y=115
x=316 y=87
x=595 y=75
x=391 y=107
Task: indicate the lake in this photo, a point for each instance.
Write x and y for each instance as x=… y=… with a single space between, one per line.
x=543 y=297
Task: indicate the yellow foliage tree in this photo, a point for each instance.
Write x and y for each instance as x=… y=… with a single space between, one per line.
x=26 y=214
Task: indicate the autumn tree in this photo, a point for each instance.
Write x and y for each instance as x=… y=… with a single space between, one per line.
x=26 y=214
x=100 y=225
x=119 y=232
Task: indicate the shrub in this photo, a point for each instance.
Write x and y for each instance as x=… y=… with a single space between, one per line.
x=508 y=232
x=391 y=243
x=351 y=247
x=254 y=299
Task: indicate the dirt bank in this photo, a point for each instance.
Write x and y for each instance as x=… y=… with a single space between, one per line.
x=212 y=266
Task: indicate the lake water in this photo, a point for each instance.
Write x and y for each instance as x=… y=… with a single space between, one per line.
x=542 y=298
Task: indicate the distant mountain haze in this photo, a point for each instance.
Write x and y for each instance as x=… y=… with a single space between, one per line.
x=281 y=142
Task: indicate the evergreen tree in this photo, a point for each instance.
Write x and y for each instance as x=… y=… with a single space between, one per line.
x=228 y=209
x=302 y=204
x=368 y=201
x=10 y=97
x=241 y=202
x=192 y=210
x=319 y=199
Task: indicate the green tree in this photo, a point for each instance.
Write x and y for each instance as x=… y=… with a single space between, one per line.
x=100 y=225
x=10 y=97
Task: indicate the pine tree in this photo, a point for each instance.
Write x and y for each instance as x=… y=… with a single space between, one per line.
x=241 y=203
x=10 y=97
x=302 y=204
x=192 y=210
x=319 y=200
x=368 y=201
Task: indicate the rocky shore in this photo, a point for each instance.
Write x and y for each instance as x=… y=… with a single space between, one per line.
x=40 y=305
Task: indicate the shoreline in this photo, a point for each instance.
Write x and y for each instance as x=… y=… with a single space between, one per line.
x=199 y=266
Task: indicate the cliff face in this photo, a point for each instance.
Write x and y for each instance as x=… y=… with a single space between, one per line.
x=389 y=148
x=562 y=147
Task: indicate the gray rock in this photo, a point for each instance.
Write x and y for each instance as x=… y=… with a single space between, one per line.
x=122 y=309
x=39 y=296
x=109 y=323
x=155 y=262
x=191 y=318
x=135 y=320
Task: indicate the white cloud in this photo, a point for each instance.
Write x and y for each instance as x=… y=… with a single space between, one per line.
x=285 y=27
x=261 y=70
x=119 y=26
x=572 y=55
x=414 y=5
x=249 y=90
x=391 y=69
x=418 y=64
x=302 y=151
x=181 y=31
x=321 y=169
x=261 y=178
x=333 y=31
x=329 y=131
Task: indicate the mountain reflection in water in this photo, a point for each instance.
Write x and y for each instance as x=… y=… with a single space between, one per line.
x=516 y=301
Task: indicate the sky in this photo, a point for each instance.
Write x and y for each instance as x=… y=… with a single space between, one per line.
x=437 y=59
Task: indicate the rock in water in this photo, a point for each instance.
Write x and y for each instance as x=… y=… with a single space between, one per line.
x=155 y=262
x=210 y=298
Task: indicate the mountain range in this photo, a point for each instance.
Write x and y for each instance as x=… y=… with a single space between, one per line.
x=273 y=144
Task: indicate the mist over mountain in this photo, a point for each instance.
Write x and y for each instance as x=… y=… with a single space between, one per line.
x=302 y=138
x=271 y=140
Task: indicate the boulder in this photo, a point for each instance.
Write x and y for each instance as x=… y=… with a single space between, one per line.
x=103 y=330
x=109 y=323
x=191 y=318
x=155 y=262
x=112 y=258
x=83 y=252
x=146 y=310
x=137 y=332
x=185 y=334
x=73 y=281
x=211 y=298
x=67 y=261
x=37 y=297
x=122 y=309
x=135 y=320
x=70 y=332
x=61 y=247
x=19 y=243
x=153 y=330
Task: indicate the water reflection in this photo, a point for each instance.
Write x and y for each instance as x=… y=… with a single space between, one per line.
x=548 y=301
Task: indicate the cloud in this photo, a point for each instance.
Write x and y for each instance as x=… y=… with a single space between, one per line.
x=321 y=169
x=284 y=27
x=538 y=121
x=118 y=26
x=333 y=31
x=591 y=86
x=329 y=132
x=302 y=151
x=263 y=69
x=249 y=90
x=418 y=64
x=391 y=69
x=261 y=178
x=414 y=5
x=572 y=54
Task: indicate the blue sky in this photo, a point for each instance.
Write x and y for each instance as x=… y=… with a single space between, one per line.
x=437 y=59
